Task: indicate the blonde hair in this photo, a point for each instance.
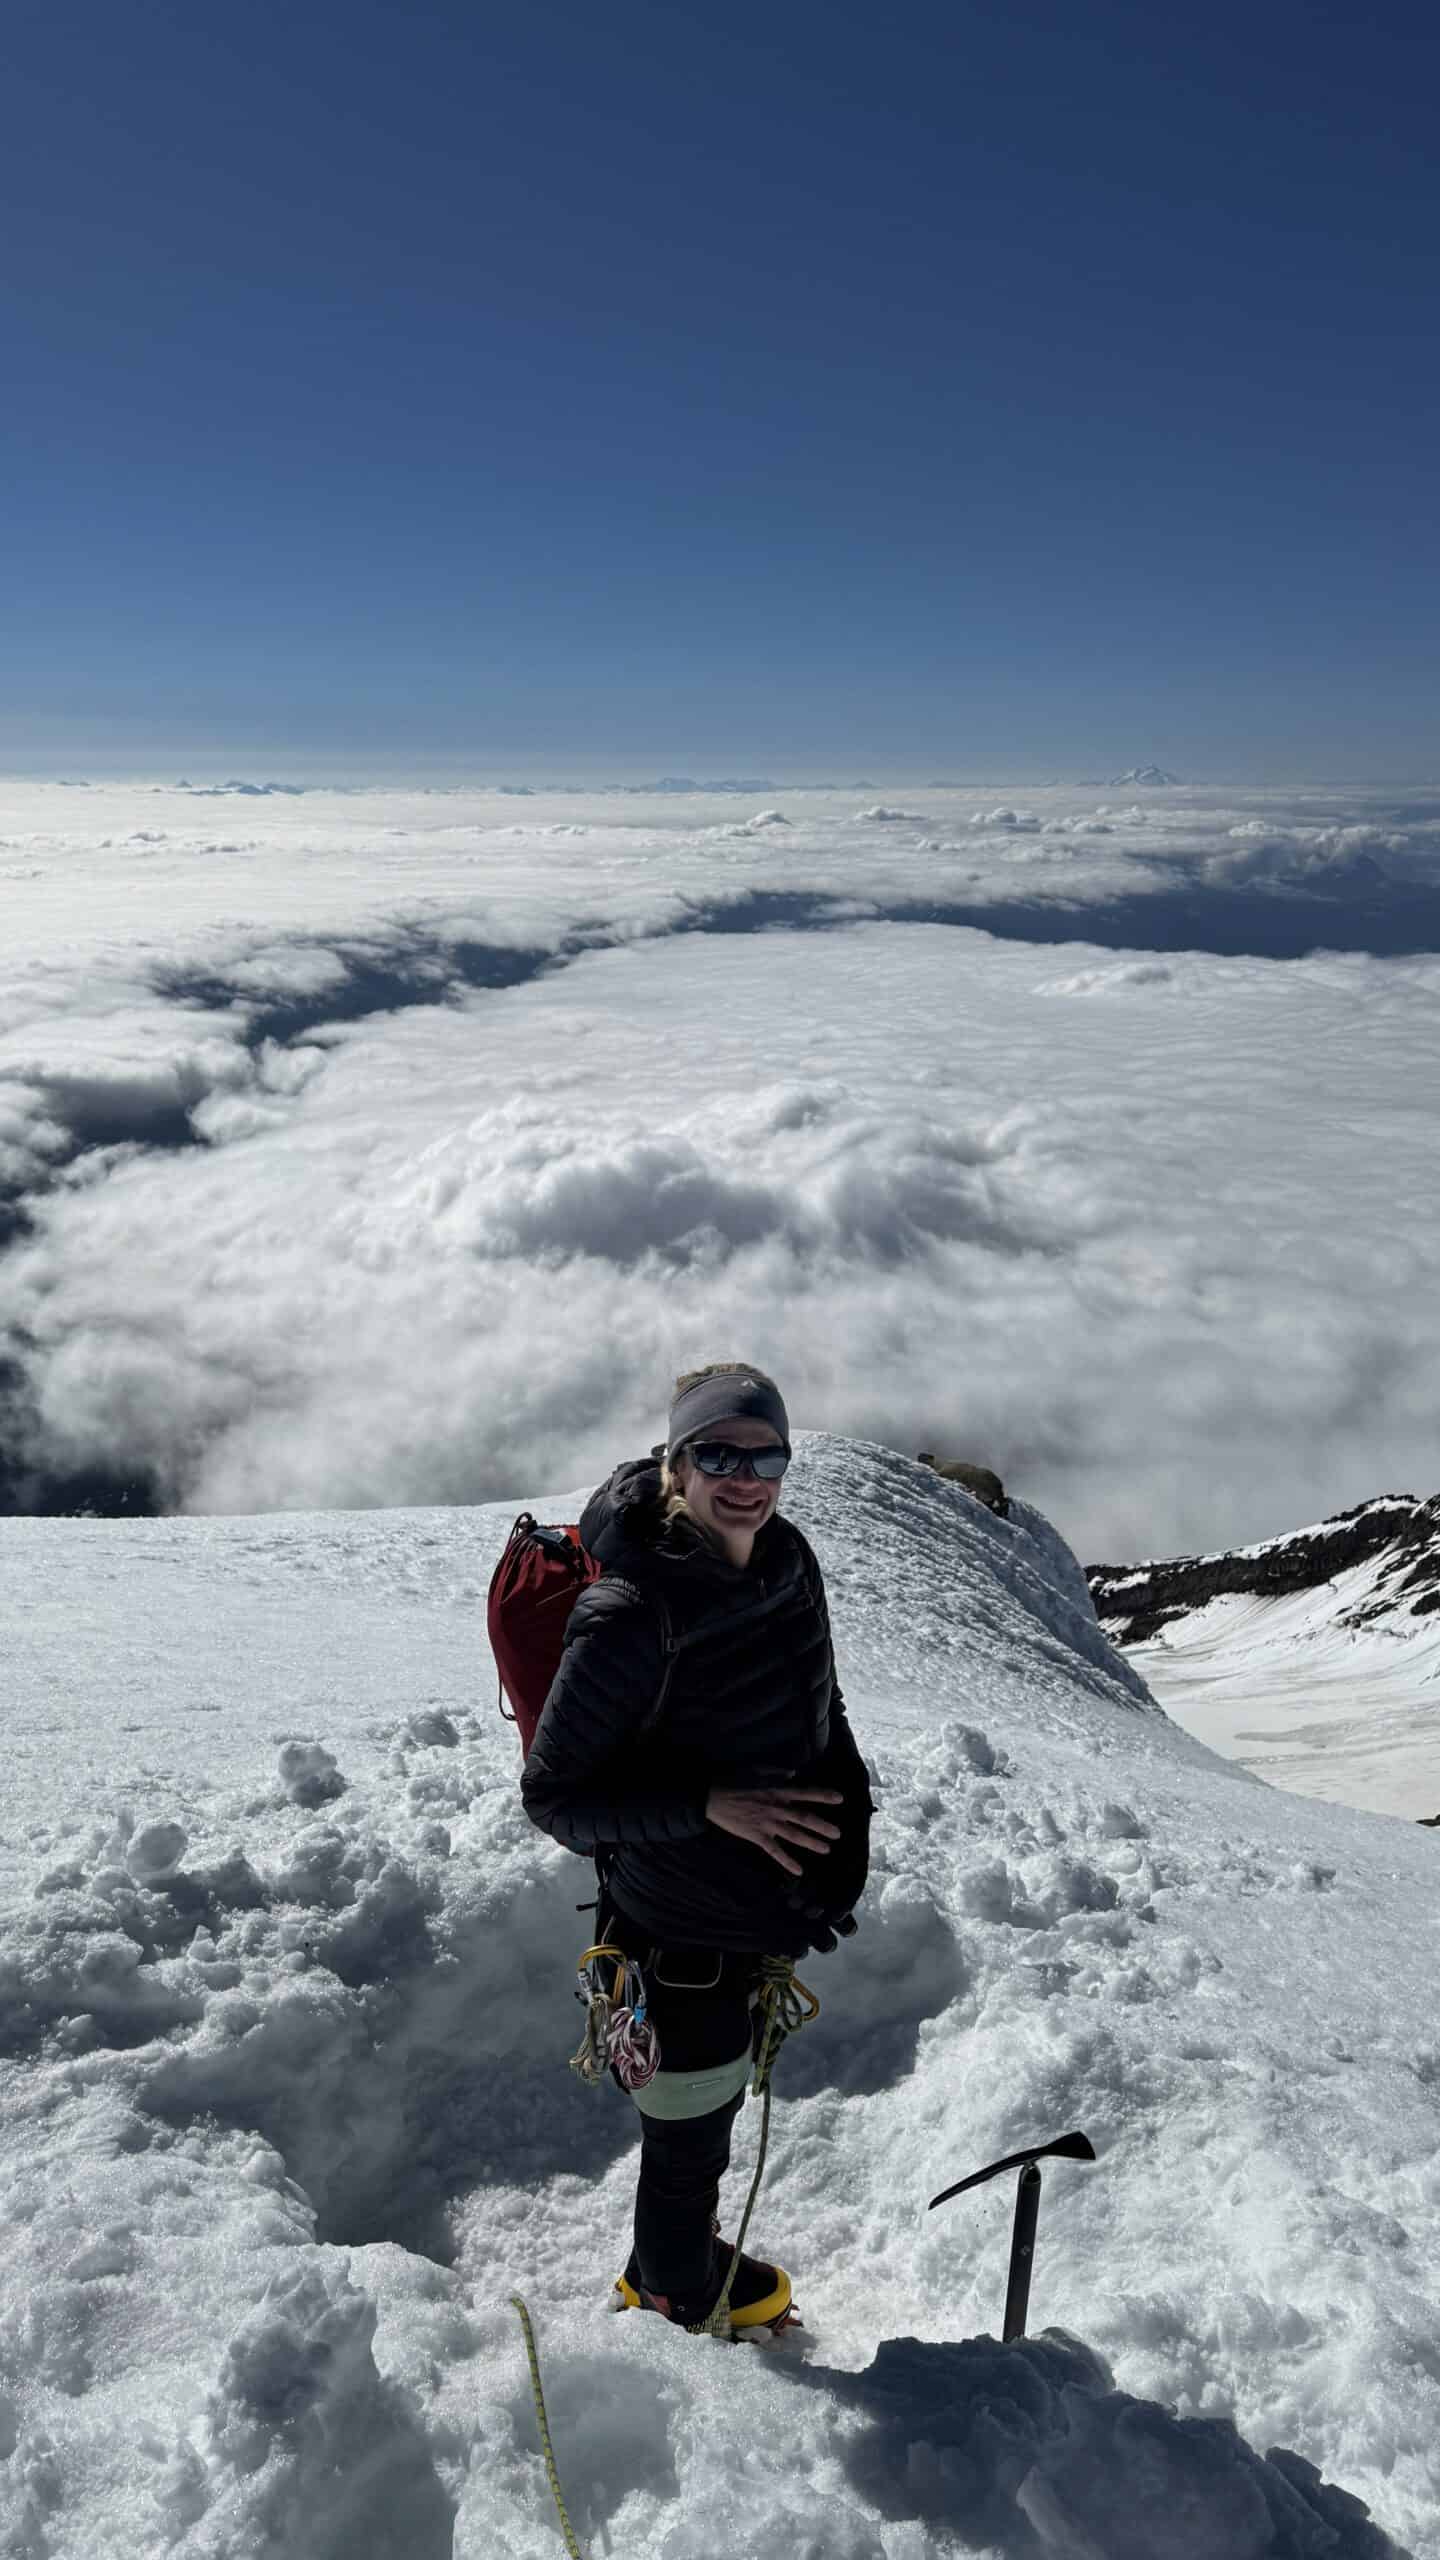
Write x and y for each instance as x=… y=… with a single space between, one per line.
x=673 y=1504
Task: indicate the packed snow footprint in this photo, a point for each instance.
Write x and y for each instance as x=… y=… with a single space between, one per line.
x=287 y=2119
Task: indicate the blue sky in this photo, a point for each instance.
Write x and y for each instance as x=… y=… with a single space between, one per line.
x=809 y=388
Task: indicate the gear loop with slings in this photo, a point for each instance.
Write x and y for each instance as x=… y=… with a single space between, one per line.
x=618 y=2034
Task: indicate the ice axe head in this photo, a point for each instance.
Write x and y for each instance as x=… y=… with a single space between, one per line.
x=1066 y=2146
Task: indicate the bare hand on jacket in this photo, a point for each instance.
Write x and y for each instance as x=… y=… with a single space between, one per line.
x=768 y=1815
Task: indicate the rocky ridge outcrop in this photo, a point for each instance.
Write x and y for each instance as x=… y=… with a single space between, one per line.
x=1399 y=1533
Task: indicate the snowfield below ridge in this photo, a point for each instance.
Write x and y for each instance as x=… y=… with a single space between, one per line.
x=1311 y=1659
x=286 y=2114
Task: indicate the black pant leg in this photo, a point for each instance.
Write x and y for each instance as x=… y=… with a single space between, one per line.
x=700 y=2007
x=681 y=2166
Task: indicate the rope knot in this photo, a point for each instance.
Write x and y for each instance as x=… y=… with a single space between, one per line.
x=786 y=2005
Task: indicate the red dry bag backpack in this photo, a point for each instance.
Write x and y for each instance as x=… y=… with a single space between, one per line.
x=533 y=1589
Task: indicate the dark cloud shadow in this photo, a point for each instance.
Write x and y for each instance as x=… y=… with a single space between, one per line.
x=1400 y=921
x=1404 y=813
x=36 y=1486
x=376 y=978
x=1268 y=922
x=118 y=1112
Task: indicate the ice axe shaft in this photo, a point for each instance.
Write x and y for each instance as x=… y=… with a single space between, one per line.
x=1067 y=2146
x=1022 y=2252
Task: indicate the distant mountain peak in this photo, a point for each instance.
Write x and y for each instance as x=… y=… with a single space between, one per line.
x=1154 y=774
x=1396 y=1536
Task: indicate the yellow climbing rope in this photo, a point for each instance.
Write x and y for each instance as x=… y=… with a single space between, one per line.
x=546 y=2447
x=786 y=2004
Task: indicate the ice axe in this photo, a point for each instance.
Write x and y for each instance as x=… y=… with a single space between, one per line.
x=1067 y=2146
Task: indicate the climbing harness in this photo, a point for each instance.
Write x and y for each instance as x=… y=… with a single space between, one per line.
x=618 y=2034
x=546 y=2447
x=786 y=2004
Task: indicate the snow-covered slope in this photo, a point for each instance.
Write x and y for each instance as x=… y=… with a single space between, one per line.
x=286 y=2117
x=1312 y=1659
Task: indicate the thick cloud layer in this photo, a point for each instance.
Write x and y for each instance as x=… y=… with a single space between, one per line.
x=402 y=1153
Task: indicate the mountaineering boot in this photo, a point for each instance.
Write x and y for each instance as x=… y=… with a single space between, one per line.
x=759 y=2297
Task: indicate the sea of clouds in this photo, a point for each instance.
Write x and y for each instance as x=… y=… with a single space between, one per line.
x=377 y=1147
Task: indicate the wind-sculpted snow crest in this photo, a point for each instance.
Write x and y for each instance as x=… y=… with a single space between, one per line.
x=286 y=2011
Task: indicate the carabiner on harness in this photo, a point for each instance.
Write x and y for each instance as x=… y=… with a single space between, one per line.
x=618 y=2035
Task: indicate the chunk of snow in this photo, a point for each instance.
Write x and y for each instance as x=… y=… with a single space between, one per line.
x=156 y=1851
x=309 y=1773
x=431 y=1725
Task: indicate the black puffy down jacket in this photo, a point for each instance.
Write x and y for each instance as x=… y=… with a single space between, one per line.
x=750 y=1699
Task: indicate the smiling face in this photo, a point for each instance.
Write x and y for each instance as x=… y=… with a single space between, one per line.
x=731 y=1509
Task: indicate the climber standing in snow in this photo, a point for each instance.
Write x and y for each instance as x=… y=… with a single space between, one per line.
x=731 y=1825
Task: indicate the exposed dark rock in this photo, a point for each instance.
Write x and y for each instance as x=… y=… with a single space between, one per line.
x=983 y=1482
x=1133 y=1602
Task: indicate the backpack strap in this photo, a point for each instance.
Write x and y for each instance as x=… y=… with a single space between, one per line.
x=669 y=1648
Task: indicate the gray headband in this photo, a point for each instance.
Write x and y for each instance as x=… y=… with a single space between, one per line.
x=729 y=1398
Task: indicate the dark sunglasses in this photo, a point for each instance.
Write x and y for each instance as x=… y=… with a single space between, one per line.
x=722 y=1458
